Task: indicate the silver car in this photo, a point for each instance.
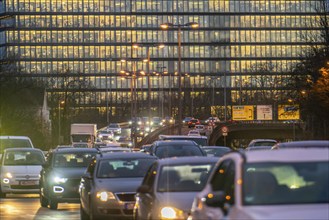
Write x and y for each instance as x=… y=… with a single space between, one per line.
x=20 y=169
x=170 y=185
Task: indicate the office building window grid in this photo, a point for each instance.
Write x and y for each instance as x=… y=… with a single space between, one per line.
x=87 y=39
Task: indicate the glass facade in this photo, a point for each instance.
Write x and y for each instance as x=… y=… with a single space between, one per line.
x=242 y=51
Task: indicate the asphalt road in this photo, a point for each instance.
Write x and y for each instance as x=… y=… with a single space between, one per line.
x=26 y=207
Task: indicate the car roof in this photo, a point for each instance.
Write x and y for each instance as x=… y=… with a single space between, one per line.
x=22 y=149
x=222 y=147
x=123 y=155
x=174 y=142
x=303 y=144
x=186 y=160
x=287 y=155
x=74 y=149
x=161 y=137
x=261 y=140
x=14 y=137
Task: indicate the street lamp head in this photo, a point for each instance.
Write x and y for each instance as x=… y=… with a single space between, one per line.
x=166 y=25
x=192 y=24
x=135 y=46
x=123 y=60
x=161 y=46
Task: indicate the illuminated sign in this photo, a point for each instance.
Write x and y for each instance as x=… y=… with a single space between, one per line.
x=264 y=112
x=288 y=112
x=243 y=112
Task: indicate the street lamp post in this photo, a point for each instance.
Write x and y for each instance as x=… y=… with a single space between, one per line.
x=166 y=26
x=148 y=54
x=59 y=121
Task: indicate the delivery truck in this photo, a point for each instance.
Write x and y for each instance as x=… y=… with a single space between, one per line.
x=83 y=135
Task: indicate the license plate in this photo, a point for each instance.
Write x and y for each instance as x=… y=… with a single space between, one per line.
x=129 y=205
x=28 y=183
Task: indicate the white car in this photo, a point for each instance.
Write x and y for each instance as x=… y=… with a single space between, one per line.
x=194 y=133
x=114 y=127
x=257 y=185
x=201 y=129
x=20 y=170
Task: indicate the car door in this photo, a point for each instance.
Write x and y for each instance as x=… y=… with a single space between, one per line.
x=86 y=186
x=146 y=199
x=222 y=180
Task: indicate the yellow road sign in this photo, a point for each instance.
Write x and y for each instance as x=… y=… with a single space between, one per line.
x=243 y=112
x=288 y=112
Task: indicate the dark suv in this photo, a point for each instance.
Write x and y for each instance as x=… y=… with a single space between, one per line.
x=175 y=148
x=61 y=174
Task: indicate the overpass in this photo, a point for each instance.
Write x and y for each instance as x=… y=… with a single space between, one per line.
x=241 y=132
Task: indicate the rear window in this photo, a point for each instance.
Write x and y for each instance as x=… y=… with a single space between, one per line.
x=164 y=151
x=198 y=140
x=14 y=143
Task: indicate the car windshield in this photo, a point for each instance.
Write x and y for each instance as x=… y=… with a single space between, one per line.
x=183 y=178
x=114 y=126
x=176 y=150
x=74 y=159
x=124 y=168
x=23 y=158
x=216 y=152
x=14 y=143
x=264 y=143
x=286 y=183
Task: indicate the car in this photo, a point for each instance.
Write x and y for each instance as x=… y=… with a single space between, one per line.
x=194 y=133
x=15 y=142
x=200 y=140
x=201 y=129
x=282 y=184
x=156 y=122
x=261 y=142
x=193 y=122
x=302 y=144
x=114 y=127
x=146 y=148
x=186 y=120
x=258 y=148
x=108 y=187
x=61 y=174
x=168 y=120
x=125 y=141
x=105 y=135
x=212 y=120
x=216 y=151
x=168 y=189
x=175 y=148
x=20 y=169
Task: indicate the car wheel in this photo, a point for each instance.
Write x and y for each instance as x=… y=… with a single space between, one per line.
x=43 y=201
x=53 y=204
x=83 y=214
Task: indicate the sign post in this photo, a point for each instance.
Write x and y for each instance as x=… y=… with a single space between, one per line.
x=224 y=133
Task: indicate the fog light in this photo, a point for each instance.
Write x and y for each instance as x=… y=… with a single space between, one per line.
x=5 y=181
x=58 y=189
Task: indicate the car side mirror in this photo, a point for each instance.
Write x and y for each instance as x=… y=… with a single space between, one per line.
x=216 y=199
x=144 y=189
x=87 y=176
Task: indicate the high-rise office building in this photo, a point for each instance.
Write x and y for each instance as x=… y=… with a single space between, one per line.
x=241 y=53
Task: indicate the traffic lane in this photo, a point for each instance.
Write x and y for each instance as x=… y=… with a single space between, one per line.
x=26 y=207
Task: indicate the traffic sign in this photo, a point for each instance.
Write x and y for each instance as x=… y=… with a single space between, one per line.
x=224 y=129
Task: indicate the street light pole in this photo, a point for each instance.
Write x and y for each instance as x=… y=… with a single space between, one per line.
x=179 y=29
x=59 y=121
x=148 y=81
x=225 y=101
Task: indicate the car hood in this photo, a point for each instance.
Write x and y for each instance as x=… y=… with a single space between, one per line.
x=70 y=173
x=274 y=212
x=21 y=170
x=179 y=200
x=119 y=184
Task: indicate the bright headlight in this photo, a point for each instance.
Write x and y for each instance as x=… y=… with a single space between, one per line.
x=60 y=179
x=9 y=175
x=171 y=213
x=104 y=196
